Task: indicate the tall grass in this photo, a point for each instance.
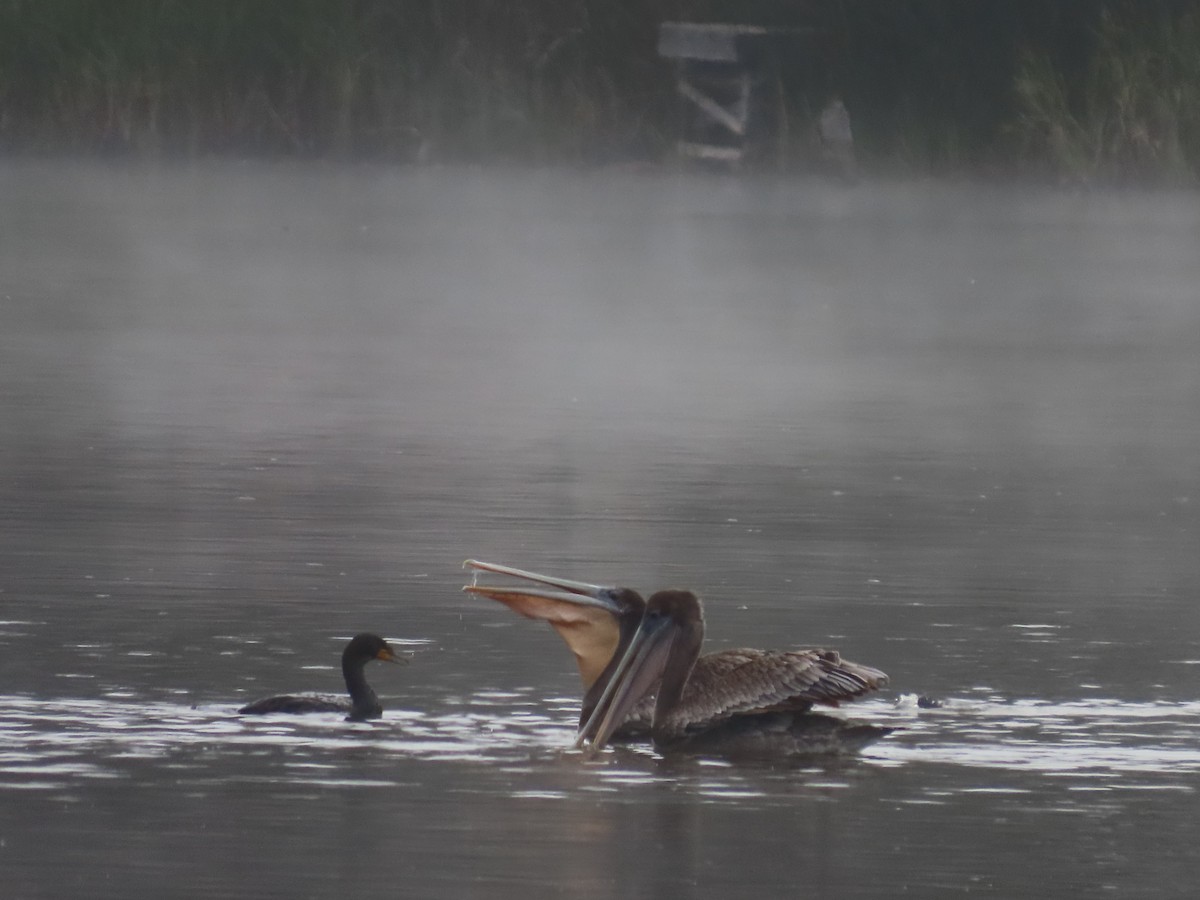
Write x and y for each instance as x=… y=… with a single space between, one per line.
x=321 y=77
x=1133 y=113
x=931 y=84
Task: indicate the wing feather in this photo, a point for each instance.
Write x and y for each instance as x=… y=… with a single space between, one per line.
x=748 y=682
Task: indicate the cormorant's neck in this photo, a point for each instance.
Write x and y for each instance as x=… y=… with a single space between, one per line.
x=363 y=702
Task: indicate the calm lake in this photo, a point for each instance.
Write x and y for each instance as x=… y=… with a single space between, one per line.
x=250 y=410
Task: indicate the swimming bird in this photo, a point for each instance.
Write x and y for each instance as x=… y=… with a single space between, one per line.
x=756 y=702
x=362 y=704
x=598 y=623
x=595 y=622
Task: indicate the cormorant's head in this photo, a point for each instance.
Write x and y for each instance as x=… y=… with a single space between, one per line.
x=365 y=647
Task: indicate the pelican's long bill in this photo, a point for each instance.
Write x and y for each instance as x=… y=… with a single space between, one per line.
x=586 y=616
x=576 y=588
x=528 y=600
x=636 y=675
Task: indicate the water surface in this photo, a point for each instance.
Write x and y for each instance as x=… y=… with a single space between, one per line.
x=249 y=411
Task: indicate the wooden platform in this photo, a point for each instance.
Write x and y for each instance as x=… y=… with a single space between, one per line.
x=717 y=68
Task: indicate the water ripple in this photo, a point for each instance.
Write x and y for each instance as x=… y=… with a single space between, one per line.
x=48 y=744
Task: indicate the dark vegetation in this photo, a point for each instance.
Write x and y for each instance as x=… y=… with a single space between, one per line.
x=1056 y=88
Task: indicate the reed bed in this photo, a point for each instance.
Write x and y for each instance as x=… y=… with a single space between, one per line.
x=1131 y=113
x=1066 y=90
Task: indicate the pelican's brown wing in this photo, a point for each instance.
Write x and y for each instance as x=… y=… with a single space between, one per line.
x=747 y=682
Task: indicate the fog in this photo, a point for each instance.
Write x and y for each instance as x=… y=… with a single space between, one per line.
x=705 y=296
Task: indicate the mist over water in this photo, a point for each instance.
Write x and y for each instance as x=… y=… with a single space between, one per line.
x=251 y=410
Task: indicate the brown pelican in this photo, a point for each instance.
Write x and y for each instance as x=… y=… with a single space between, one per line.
x=362 y=705
x=756 y=702
x=598 y=623
x=595 y=622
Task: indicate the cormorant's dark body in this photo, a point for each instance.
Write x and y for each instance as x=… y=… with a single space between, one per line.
x=362 y=703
